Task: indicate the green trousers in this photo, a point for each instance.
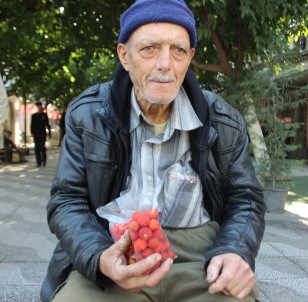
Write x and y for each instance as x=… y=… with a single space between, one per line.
x=186 y=281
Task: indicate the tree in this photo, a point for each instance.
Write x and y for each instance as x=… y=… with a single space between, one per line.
x=50 y=51
x=236 y=35
x=275 y=102
x=54 y=49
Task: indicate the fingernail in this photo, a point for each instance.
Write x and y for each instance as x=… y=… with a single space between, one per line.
x=125 y=234
x=209 y=277
x=211 y=290
x=157 y=257
x=170 y=261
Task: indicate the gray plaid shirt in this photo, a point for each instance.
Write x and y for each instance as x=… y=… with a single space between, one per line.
x=161 y=164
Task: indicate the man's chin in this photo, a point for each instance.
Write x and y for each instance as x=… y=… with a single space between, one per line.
x=160 y=98
x=160 y=101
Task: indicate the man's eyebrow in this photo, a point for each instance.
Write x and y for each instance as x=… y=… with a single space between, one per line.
x=181 y=44
x=149 y=42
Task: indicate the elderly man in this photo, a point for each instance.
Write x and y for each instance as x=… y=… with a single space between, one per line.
x=149 y=125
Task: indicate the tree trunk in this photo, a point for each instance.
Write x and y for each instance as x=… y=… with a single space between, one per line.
x=256 y=135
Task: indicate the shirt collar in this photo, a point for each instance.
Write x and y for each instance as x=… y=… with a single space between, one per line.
x=183 y=116
x=135 y=112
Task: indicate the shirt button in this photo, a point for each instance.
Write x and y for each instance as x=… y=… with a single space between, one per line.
x=150 y=178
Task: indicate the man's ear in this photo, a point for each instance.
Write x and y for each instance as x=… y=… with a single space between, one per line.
x=122 y=54
x=192 y=53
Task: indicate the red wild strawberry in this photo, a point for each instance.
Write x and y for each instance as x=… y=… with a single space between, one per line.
x=133 y=226
x=153 y=213
x=147 y=252
x=122 y=228
x=135 y=215
x=153 y=242
x=171 y=254
x=164 y=256
x=160 y=248
x=140 y=245
x=133 y=235
x=167 y=245
x=145 y=233
x=154 y=224
x=115 y=232
x=118 y=230
x=143 y=219
x=158 y=234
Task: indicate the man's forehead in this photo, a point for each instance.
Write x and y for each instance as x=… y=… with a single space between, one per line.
x=153 y=33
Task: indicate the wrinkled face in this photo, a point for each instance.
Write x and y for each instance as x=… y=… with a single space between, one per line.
x=157 y=56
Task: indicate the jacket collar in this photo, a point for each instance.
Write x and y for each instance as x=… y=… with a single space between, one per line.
x=120 y=97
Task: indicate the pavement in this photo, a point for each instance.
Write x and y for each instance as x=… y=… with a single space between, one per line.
x=26 y=243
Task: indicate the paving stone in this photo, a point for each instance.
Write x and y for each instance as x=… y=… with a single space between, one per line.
x=285 y=291
x=26 y=243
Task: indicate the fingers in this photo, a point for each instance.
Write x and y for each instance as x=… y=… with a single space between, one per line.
x=139 y=268
x=242 y=283
x=218 y=275
x=122 y=245
x=242 y=288
x=235 y=277
x=131 y=277
x=137 y=280
x=214 y=269
x=112 y=258
x=157 y=275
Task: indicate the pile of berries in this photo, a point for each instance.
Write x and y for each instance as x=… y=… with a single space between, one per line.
x=147 y=237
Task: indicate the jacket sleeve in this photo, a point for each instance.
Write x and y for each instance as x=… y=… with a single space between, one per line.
x=242 y=221
x=70 y=216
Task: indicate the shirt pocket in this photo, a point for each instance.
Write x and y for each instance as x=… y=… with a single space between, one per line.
x=180 y=198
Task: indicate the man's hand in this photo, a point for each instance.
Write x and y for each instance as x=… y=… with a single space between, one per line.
x=131 y=277
x=230 y=274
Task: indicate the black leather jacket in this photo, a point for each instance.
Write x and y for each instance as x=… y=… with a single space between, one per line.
x=95 y=162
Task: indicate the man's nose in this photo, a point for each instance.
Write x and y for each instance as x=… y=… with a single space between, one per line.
x=164 y=59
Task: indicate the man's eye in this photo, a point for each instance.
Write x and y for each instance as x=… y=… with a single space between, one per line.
x=148 y=48
x=181 y=50
x=178 y=50
x=148 y=51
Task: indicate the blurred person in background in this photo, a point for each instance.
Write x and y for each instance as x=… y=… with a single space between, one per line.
x=39 y=127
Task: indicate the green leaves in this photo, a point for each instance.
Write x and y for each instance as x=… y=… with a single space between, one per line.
x=54 y=49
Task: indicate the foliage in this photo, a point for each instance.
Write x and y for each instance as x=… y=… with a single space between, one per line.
x=51 y=49
x=54 y=49
x=275 y=103
x=235 y=34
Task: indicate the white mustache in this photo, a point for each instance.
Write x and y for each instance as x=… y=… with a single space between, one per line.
x=161 y=78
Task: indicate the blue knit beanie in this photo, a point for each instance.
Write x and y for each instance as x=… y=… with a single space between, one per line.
x=151 y=11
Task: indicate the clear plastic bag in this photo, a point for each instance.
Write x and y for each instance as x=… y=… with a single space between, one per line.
x=137 y=212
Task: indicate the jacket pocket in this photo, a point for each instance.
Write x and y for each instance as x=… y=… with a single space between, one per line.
x=100 y=164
